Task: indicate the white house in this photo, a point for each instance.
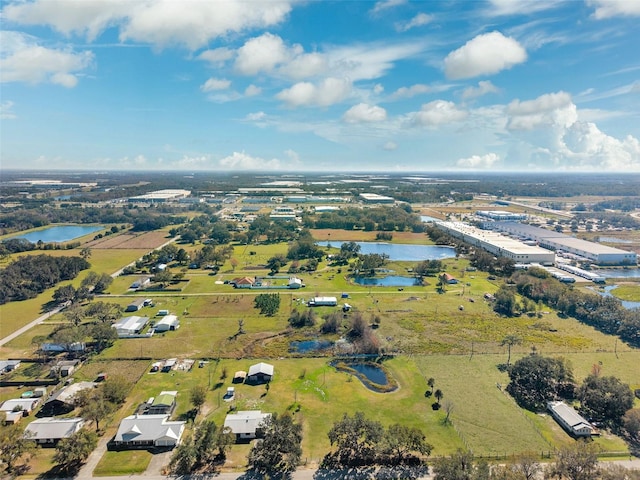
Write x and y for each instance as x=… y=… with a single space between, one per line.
x=168 y=322
x=570 y=420
x=128 y=326
x=50 y=430
x=246 y=425
x=17 y=408
x=323 y=302
x=144 y=431
x=295 y=282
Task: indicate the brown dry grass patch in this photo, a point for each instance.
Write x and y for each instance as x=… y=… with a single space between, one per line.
x=130 y=241
x=337 y=236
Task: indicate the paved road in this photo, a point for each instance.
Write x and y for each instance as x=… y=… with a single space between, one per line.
x=32 y=324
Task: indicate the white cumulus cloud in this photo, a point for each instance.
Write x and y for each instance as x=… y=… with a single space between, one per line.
x=484 y=87
x=23 y=60
x=243 y=161
x=615 y=8
x=438 y=112
x=252 y=91
x=189 y=23
x=383 y=5
x=217 y=56
x=214 y=84
x=485 y=54
x=261 y=54
x=6 y=110
x=325 y=93
x=548 y=109
x=390 y=146
x=419 y=20
x=412 y=91
x=478 y=161
x=365 y=113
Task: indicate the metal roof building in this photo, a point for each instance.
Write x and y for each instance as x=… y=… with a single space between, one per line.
x=499 y=245
x=595 y=252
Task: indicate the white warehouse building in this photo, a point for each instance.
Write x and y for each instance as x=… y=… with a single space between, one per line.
x=498 y=244
x=595 y=252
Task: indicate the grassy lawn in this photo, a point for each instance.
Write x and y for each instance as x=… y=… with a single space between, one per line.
x=123 y=463
x=630 y=293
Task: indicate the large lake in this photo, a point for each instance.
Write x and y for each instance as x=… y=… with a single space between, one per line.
x=401 y=251
x=61 y=233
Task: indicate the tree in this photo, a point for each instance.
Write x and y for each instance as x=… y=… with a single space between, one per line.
x=604 y=399
x=163 y=277
x=74 y=313
x=64 y=294
x=279 y=450
x=115 y=389
x=401 y=442
x=535 y=380
x=203 y=451
x=427 y=267
x=104 y=312
x=576 y=462
x=524 y=467
x=510 y=340
x=14 y=447
x=631 y=422
x=198 y=396
x=505 y=302
x=306 y=318
x=103 y=335
x=96 y=408
x=85 y=253
x=267 y=303
x=275 y=263
x=438 y=394
x=356 y=439
x=71 y=452
x=459 y=466
x=431 y=382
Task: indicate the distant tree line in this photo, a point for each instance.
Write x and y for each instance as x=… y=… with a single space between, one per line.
x=604 y=313
x=28 y=276
x=389 y=219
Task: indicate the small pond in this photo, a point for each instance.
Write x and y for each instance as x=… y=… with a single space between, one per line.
x=61 y=233
x=372 y=375
x=618 y=273
x=402 y=251
x=606 y=292
x=307 y=346
x=388 y=281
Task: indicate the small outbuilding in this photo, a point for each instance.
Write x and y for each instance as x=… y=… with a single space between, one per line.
x=570 y=420
x=17 y=408
x=246 y=425
x=49 y=431
x=65 y=368
x=239 y=377
x=7 y=366
x=136 y=305
x=128 y=326
x=163 y=404
x=167 y=323
x=295 y=283
x=260 y=373
x=62 y=401
x=448 y=279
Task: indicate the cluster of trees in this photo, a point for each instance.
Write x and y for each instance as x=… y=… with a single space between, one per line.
x=28 y=276
x=280 y=449
x=263 y=228
x=306 y=318
x=536 y=379
x=267 y=303
x=604 y=313
x=387 y=219
x=205 y=227
x=93 y=283
x=203 y=451
x=361 y=441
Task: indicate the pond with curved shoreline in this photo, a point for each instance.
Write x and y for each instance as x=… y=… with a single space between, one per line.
x=372 y=375
x=401 y=251
x=59 y=233
x=388 y=281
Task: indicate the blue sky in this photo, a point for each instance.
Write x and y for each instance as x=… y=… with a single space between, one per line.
x=353 y=85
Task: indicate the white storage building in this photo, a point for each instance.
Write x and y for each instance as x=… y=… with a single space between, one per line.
x=128 y=326
x=168 y=322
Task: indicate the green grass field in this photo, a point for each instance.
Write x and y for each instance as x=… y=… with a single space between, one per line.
x=453 y=337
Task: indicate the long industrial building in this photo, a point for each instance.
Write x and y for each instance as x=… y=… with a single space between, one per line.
x=559 y=242
x=499 y=245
